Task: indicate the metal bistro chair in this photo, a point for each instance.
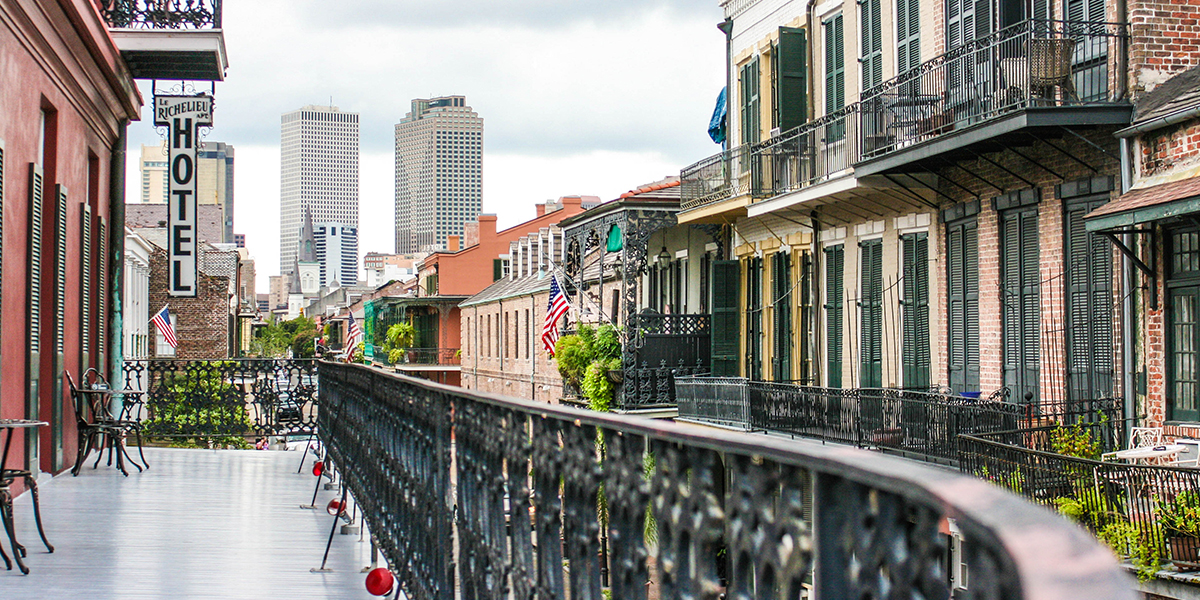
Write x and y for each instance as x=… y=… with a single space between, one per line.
x=125 y=423
x=1050 y=67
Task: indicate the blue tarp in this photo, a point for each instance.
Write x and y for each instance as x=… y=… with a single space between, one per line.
x=716 y=125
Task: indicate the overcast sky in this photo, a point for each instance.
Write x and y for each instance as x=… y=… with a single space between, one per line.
x=577 y=96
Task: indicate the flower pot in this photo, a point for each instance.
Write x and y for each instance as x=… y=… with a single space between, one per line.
x=1185 y=551
x=615 y=375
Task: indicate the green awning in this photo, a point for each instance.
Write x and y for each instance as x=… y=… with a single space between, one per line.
x=1146 y=205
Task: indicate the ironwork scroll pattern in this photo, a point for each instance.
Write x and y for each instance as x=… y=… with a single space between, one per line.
x=236 y=397
x=163 y=14
x=873 y=530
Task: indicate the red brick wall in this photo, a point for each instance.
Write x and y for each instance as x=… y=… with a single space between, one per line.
x=531 y=375
x=1055 y=168
x=1164 y=40
x=201 y=323
x=1170 y=148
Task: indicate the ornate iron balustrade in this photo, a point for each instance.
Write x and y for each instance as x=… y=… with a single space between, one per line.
x=806 y=155
x=222 y=398
x=492 y=497
x=1111 y=495
x=1031 y=64
x=715 y=179
x=926 y=424
x=162 y=14
x=431 y=356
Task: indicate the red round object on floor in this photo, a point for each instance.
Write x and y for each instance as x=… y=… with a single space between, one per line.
x=336 y=507
x=380 y=582
x=318 y=468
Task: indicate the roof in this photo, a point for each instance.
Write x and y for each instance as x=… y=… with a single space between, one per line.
x=209 y=223
x=670 y=184
x=1143 y=205
x=1175 y=94
x=664 y=193
x=208 y=264
x=509 y=288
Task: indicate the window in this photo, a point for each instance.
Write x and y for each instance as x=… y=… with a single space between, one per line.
x=871 y=314
x=754 y=320
x=962 y=278
x=835 y=74
x=908 y=35
x=914 y=357
x=1183 y=325
x=725 y=277
x=749 y=82
x=781 y=300
x=1090 y=304
x=1019 y=301
x=161 y=347
x=835 y=257
x=872 y=43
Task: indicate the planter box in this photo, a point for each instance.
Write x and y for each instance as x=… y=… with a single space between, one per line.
x=1185 y=552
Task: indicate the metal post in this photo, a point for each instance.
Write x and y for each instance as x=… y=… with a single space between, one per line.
x=332 y=530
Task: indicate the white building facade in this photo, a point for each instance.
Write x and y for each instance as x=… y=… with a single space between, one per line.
x=319 y=173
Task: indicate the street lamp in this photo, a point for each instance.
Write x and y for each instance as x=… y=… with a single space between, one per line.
x=664 y=258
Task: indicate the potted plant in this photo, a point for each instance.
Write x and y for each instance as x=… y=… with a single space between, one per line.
x=1180 y=519
x=400 y=337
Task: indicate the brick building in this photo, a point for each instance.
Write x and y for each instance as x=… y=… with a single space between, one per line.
x=205 y=325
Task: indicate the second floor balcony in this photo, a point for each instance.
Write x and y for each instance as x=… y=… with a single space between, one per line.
x=1029 y=81
x=169 y=39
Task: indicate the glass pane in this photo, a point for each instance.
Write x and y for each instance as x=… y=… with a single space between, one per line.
x=1183 y=355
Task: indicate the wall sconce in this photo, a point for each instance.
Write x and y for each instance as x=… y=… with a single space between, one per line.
x=664 y=258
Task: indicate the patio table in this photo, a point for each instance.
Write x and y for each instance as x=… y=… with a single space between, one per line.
x=1150 y=454
x=7 y=476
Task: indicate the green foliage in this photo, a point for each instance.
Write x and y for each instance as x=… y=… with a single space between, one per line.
x=1141 y=548
x=1013 y=481
x=1089 y=505
x=395 y=355
x=1180 y=515
x=274 y=340
x=400 y=336
x=1075 y=441
x=596 y=387
x=201 y=409
x=358 y=355
x=607 y=343
x=650 y=530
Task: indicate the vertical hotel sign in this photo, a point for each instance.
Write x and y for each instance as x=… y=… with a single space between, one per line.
x=183 y=116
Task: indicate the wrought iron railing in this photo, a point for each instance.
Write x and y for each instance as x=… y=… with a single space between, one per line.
x=806 y=155
x=162 y=14
x=234 y=398
x=926 y=424
x=1121 y=503
x=1033 y=63
x=653 y=387
x=430 y=356
x=490 y=497
x=715 y=179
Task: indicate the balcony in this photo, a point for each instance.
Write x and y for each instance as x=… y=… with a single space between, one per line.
x=1026 y=81
x=515 y=485
x=169 y=39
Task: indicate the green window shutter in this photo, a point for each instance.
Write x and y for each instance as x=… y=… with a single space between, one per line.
x=963 y=305
x=835 y=66
x=835 y=264
x=497 y=269
x=750 y=82
x=60 y=268
x=1 y=232
x=872 y=43
x=960 y=22
x=725 y=335
x=805 y=336
x=791 y=61
x=1089 y=307
x=781 y=298
x=754 y=318
x=908 y=35
x=102 y=288
x=871 y=314
x=1020 y=310
x=85 y=304
x=914 y=356
x=35 y=258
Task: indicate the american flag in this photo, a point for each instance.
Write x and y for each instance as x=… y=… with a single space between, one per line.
x=554 y=311
x=162 y=321
x=354 y=335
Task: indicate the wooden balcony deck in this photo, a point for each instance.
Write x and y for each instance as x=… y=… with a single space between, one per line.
x=198 y=524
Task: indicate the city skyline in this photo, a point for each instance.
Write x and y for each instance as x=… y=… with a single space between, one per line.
x=439 y=168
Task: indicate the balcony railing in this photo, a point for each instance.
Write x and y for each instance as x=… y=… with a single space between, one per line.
x=926 y=424
x=514 y=485
x=1033 y=64
x=162 y=14
x=1027 y=65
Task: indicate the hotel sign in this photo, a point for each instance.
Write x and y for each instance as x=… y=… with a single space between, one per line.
x=183 y=116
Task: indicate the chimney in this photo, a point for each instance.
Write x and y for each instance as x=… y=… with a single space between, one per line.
x=541 y=209
x=452 y=243
x=487 y=227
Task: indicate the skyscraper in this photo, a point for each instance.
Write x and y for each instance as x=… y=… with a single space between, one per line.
x=319 y=173
x=337 y=251
x=214 y=180
x=439 y=172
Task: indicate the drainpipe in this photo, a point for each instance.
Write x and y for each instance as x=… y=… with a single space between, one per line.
x=475 y=351
x=810 y=17
x=1122 y=51
x=726 y=27
x=1128 y=329
x=116 y=252
x=531 y=355
x=816 y=298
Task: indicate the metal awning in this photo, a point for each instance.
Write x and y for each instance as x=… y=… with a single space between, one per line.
x=1147 y=205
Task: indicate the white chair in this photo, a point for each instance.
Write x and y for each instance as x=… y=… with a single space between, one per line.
x=1139 y=437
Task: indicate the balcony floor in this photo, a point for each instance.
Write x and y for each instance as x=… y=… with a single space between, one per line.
x=198 y=524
